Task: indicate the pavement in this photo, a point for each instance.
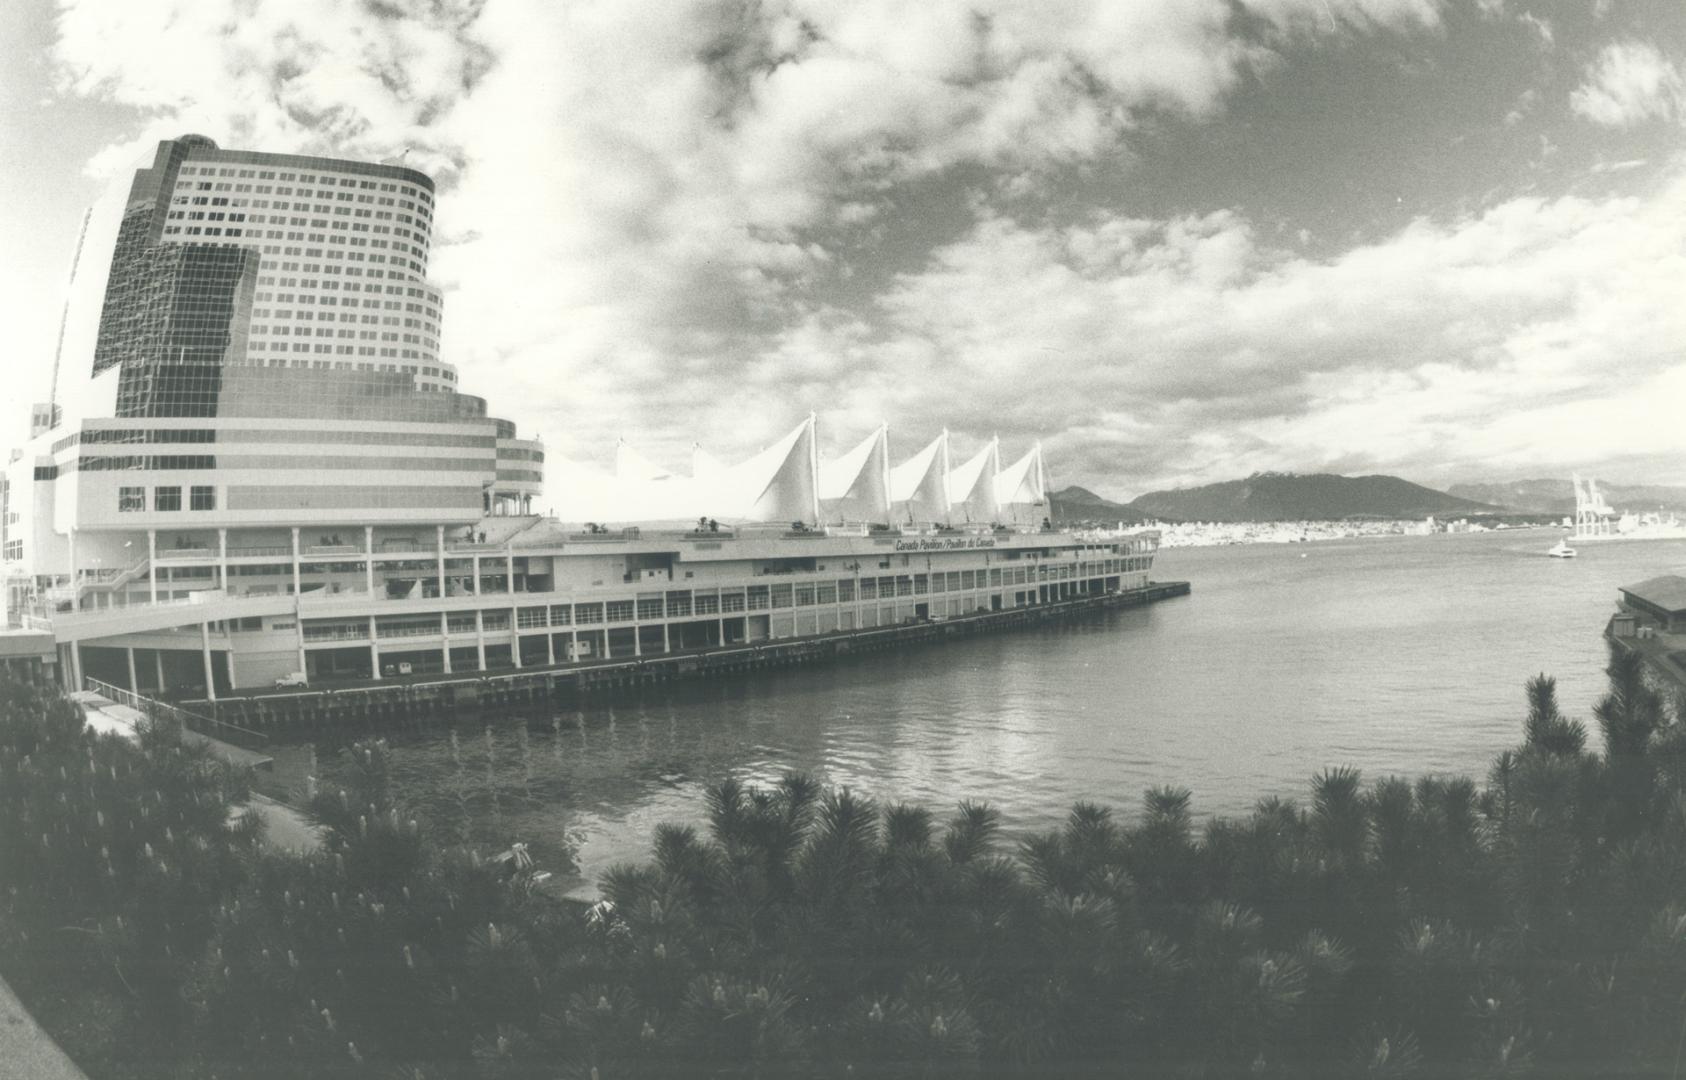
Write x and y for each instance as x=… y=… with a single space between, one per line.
x=26 y=1051
x=107 y=717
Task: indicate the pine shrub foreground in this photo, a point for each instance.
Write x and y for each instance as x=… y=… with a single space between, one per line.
x=1533 y=926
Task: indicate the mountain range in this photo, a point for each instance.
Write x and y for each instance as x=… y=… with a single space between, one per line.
x=1274 y=496
x=1269 y=497
x=1556 y=495
x=1075 y=504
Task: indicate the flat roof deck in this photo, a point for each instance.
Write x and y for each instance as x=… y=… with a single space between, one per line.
x=1666 y=593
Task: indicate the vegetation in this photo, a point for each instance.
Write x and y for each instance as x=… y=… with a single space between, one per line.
x=1531 y=926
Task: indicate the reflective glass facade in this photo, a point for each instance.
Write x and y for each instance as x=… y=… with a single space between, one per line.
x=232 y=297
x=210 y=314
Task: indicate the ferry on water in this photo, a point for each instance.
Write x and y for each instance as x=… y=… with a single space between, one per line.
x=257 y=477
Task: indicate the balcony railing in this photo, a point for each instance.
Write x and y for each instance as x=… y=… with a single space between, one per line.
x=336 y=633
x=419 y=630
x=201 y=551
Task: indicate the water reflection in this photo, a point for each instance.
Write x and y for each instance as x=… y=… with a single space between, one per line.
x=1403 y=656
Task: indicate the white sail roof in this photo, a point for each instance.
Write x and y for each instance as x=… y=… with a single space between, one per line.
x=586 y=494
x=1021 y=489
x=786 y=482
x=705 y=464
x=971 y=487
x=631 y=465
x=919 y=485
x=778 y=484
x=856 y=486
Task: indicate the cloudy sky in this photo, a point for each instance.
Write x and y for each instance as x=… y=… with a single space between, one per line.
x=1180 y=240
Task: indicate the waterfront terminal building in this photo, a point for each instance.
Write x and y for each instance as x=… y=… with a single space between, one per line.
x=256 y=468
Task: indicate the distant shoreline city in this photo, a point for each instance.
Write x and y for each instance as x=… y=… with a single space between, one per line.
x=1218 y=533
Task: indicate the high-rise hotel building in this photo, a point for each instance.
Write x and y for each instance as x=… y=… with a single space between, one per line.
x=254 y=467
x=249 y=354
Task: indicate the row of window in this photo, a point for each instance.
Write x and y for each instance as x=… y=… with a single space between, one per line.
x=349 y=286
x=261 y=339
x=88 y=463
x=342 y=350
x=248 y=189
x=328 y=179
x=135 y=463
x=334 y=301
x=314 y=253
x=133 y=436
x=755 y=598
x=328 y=316
x=131 y=500
x=236 y=217
x=266 y=279
x=297 y=208
x=421 y=210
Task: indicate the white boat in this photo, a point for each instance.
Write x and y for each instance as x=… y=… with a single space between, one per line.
x=1561 y=550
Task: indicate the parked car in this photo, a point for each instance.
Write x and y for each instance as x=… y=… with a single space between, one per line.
x=294 y=678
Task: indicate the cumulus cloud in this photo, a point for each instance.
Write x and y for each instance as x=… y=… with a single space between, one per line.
x=1540 y=27
x=1629 y=83
x=1189 y=350
x=637 y=192
x=678 y=221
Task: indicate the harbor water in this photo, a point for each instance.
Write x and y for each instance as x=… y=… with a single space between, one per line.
x=1395 y=655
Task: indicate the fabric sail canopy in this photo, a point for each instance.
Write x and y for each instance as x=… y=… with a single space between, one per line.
x=631 y=465
x=919 y=485
x=704 y=464
x=1021 y=489
x=778 y=484
x=786 y=482
x=856 y=486
x=971 y=487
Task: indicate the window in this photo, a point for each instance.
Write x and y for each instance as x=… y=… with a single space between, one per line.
x=202 y=498
x=131 y=500
x=166 y=498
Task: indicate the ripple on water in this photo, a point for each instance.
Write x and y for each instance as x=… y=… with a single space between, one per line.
x=1401 y=656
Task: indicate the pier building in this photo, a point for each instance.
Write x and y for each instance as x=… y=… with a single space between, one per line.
x=255 y=473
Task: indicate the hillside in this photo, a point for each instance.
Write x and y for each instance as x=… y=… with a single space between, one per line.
x=1290 y=497
x=1556 y=495
x=1076 y=504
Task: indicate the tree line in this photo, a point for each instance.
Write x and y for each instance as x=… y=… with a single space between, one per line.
x=1533 y=924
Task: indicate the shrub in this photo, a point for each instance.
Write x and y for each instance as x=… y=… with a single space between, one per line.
x=1435 y=929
